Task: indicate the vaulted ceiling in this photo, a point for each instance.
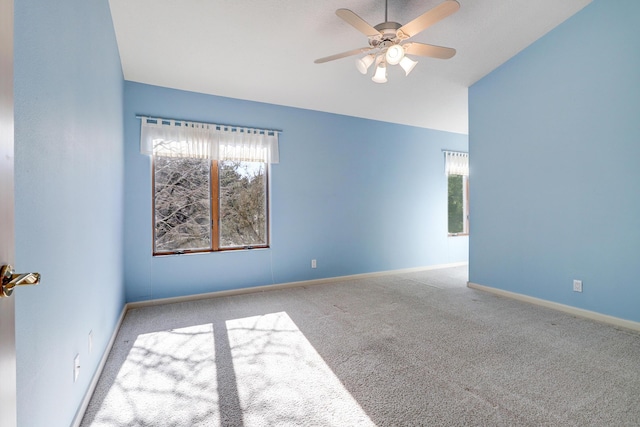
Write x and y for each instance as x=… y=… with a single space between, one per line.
x=264 y=50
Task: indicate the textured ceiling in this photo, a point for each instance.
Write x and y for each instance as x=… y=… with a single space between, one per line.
x=263 y=50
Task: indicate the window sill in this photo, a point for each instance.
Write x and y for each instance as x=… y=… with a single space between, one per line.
x=457 y=234
x=232 y=250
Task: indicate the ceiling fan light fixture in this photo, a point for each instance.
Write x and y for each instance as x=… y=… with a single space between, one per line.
x=364 y=63
x=387 y=41
x=394 y=54
x=381 y=73
x=407 y=64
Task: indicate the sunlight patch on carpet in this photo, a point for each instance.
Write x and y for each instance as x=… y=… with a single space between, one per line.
x=282 y=380
x=253 y=371
x=168 y=379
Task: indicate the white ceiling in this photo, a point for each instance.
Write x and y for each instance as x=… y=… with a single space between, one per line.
x=263 y=50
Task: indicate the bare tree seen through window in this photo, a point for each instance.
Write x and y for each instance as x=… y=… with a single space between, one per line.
x=243 y=199
x=182 y=205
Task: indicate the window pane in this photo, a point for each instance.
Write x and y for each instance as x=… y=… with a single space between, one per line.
x=243 y=203
x=456 y=204
x=182 y=204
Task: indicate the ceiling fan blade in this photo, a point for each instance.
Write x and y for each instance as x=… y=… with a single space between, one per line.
x=342 y=55
x=430 y=50
x=427 y=19
x=357 y=22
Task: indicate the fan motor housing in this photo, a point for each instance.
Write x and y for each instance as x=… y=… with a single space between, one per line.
x=388 y=27
x=388 y=31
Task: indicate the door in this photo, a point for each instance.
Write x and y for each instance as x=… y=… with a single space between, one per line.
x=8 y=398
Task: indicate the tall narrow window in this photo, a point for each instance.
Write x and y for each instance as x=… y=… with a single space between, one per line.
x=457 y=169
x=210 y=187
x=242 y=204
x=182 y=204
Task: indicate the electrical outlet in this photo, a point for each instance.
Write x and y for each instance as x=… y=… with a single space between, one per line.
x=313 y=263
x=577 y=286
x=90 y=341
x=76 y=367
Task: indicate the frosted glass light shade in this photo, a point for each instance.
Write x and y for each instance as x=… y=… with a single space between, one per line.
x=407 y=65
x=364 y=63
x=394 y=54
x=381 y=74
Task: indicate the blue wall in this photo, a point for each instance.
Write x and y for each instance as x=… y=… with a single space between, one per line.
x=69 y=199
x=357 y=195
x=554 y=148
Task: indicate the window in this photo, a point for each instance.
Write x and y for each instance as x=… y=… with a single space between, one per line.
x=181 y=205
x=457 y=167
x=202 y=205
x=210 y=185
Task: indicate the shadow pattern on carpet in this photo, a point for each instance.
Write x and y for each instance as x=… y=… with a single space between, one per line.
x=401 y=350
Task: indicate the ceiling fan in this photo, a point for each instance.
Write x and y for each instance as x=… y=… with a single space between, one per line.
x=388 y=41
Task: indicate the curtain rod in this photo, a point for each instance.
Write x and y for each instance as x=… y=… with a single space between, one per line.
x=139 y=116
x=455 y=152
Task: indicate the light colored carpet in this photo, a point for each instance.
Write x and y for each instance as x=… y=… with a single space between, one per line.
x=401 y=350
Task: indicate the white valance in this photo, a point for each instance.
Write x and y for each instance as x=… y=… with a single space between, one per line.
x=456 y=163
x=176 y=138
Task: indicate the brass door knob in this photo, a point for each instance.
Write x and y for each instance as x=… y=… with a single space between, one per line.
x=10 y=280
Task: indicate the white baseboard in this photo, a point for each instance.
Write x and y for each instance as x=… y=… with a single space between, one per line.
x=128 y=306
x=288 y=285
x=96 y=376
x=615 y=321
